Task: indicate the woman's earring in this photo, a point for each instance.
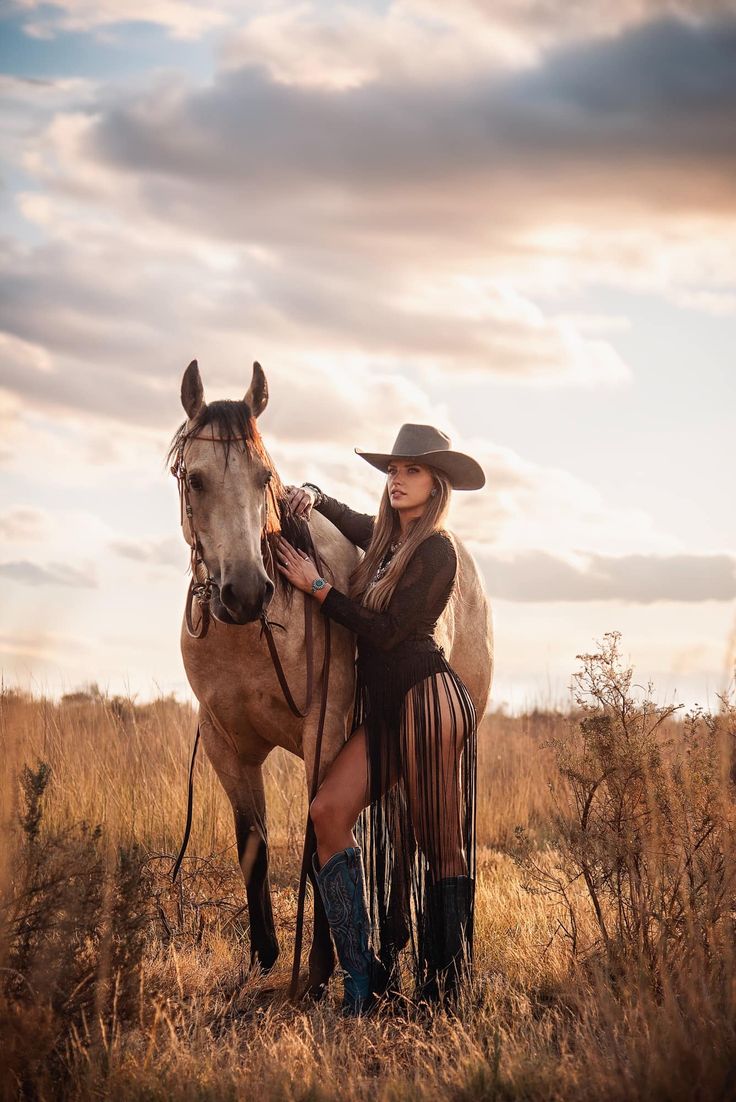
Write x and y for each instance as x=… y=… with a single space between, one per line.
x=433 y=493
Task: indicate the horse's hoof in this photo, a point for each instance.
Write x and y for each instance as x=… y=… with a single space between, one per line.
x=263 y=962
x=314 y=991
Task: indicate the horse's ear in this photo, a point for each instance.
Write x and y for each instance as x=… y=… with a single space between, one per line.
x=192 y=391
x=257 y=395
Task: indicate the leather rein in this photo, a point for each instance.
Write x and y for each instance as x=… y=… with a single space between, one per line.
x=200 y=590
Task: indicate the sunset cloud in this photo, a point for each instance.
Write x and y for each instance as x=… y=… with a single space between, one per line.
x=391 y=150
x=182 y=18
x=158 y=552
x=396 y=34
x=226 y=213
x=32 y=573
x=22 y=523
x=643 y=579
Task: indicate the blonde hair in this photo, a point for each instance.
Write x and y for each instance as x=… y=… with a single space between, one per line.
x=386 y=531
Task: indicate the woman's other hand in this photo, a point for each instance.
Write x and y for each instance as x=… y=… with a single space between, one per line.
x=296 y=565
x=301 y=501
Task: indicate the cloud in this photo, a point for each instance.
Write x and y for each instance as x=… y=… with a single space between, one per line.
x=343 y=45
x=32 y=573
x=625 y=102
x=23 y=522
x=395 y=226
x=529 y=505
x=92 y=348
x=547 y=24
x=347 y=45
x=182 y=19
x=26 y=104
x=166 y=551
x=643 y=579
x=360 y=201
x=339 y=44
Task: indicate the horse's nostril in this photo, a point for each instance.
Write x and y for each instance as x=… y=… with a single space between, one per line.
x=268 y=591
x=229 y=597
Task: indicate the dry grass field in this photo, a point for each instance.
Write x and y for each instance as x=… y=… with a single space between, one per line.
x=605 y=916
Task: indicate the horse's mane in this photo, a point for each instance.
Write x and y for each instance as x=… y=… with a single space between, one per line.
x=236 y=425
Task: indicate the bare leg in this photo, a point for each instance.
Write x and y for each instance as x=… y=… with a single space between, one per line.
x=341 y=797
x=432 y=756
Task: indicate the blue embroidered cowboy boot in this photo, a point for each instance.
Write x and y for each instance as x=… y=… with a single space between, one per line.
x=446 y=939
x=342 y=888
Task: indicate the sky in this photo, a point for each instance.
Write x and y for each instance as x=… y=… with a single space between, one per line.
x=511 y=219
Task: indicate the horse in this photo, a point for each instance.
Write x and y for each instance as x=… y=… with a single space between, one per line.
x=236 y=507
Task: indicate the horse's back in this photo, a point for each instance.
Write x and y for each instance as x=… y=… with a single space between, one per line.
x=466 y=630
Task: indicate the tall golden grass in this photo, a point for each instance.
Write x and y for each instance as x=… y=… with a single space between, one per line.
x=605 y=911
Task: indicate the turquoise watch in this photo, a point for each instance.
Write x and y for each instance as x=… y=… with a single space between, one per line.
x=318 y=583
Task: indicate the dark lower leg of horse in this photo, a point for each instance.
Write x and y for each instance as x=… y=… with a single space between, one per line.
x=394 y=918
x=322 y=951
x=253 y=858
x=398 y=914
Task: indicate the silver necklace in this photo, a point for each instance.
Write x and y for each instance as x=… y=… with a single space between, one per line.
x=383 y=567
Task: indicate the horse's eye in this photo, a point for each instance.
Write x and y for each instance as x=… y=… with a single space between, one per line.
x=195 y=482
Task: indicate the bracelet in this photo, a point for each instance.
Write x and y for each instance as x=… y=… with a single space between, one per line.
x=311 y=486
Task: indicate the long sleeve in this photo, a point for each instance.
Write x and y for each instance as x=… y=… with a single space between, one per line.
x=358 y=527
x=417 y=602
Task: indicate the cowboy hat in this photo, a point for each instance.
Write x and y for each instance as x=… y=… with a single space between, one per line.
x=432 y=447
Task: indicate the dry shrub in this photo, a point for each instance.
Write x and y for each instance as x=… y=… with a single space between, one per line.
x=72 y=921
x=647 y=822
x=646 y=829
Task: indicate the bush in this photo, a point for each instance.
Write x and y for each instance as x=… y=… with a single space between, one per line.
x=71 y=939
x=646 y=823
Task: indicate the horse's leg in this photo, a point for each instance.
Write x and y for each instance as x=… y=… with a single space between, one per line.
x=396 y=928
x=321 y=951
x=241 y=776
x=252 y=838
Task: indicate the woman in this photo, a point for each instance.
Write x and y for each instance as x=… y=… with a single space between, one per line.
x=409 y=765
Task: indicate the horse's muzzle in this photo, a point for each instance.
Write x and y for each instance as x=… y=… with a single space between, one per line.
x=234 y=604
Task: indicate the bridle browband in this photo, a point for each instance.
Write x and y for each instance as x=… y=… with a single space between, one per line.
x=200 y=590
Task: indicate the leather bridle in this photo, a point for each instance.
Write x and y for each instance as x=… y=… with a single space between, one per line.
x=200 y=590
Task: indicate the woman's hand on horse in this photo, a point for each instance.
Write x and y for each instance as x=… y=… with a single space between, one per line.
x=296 y=565
x=301 y=501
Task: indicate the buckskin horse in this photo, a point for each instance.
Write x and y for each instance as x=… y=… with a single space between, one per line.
x=233 y=507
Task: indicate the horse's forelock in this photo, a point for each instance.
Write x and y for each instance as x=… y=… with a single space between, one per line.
x=230 y=421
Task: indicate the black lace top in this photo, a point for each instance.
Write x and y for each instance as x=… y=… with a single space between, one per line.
x=419 y=598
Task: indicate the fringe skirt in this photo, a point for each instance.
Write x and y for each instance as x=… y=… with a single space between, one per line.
x=420 y=825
